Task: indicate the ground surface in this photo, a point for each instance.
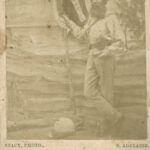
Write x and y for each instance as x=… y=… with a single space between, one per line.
x=36 y=101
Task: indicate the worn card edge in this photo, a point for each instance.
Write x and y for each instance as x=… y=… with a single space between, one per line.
x=62 y=144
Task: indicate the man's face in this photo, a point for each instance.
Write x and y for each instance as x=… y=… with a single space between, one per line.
x=98 y=10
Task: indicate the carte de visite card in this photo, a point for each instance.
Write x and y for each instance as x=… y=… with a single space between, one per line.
x=74 y=74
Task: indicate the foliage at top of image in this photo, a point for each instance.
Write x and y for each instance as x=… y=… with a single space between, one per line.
x=132 y=15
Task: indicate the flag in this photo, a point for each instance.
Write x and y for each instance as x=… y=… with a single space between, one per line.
x=76 y=10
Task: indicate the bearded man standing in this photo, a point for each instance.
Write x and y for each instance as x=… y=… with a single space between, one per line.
x=106 y=43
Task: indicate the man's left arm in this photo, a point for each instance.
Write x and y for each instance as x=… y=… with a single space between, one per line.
x=117 y=47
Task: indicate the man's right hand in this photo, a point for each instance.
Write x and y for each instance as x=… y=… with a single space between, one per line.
x=62 y=23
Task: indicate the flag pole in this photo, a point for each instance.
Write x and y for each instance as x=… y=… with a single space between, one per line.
x=68 y=65
x=67 y=55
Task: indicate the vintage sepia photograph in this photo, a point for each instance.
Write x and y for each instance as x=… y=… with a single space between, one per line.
x=76 y=70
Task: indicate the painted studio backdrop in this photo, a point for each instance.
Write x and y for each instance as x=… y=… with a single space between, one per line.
x=47 y=64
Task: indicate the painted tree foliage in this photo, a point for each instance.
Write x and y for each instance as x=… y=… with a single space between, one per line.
x=132 y=15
